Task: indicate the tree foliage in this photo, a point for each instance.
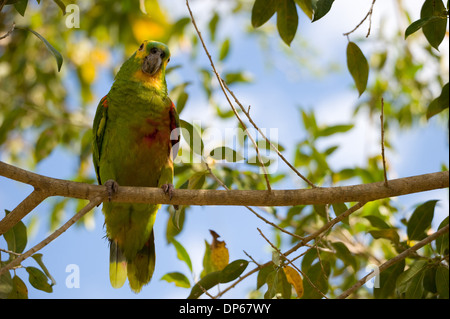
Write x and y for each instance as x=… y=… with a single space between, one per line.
x=49 y=74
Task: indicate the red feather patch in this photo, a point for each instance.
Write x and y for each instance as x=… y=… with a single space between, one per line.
x=104 y=102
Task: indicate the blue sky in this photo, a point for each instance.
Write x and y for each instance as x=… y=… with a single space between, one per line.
x=287 y=87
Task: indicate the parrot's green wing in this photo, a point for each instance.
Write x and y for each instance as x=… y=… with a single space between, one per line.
x=118 y=264
x=174 y=125
x=100 y=119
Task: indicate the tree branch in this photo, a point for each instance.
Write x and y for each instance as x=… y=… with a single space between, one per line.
x=18 y=213
x=368 y=15
x=96 y=201
x=150 y=195
x=382 y=142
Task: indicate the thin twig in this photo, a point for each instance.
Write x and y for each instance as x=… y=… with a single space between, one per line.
x=247 y=114
x=252 y=259
x=206 y=292
x=382 y=142
x=9 y=31
x=394 y=260
x=2 y=3
x=9 y=252
x=96 y=201
x=221 y=83
x=368 y=15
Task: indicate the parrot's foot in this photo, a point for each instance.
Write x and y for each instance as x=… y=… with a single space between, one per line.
x=168 y=189
x=112 y=187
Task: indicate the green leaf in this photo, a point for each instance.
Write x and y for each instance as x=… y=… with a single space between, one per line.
x=345 y=255
x=6 y=284
x=287 y=20
x=262 y=275
x=406 y=278
x=177 y=220
x=262 y=11
x=179 y=27
x=415 y=288
x=226 y=153
x=21 y=6
x=442 y=281
x=207 y=264
x=340 y=208
x=308 y=259
x=318 y=274
x=358 y=66
x=321 y=210
x=56 y=54
x=229 y=273
x=442 y=241
x=420 y=220
x=233 y=270
x=197 y=180
x=224 y=49
x=19 y=290
x=61 y=5
x=206 y=283
x=192 y=137
x=46 y=143
x=237 y=77
x=177 y=278
x=306 y=7
x=16 y=237
x=213 y=26
x=429 y=280
x=435 y=30
x=330 y=130
x=321 y=8
x=182 y=253
x=390 y=234
x=181 y=101
x=440 y=103
x=377 y=222
x=38 y=279
x=38 y=259
x=416 y=25
x=278 y=286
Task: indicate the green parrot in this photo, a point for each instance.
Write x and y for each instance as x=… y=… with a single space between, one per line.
x=132 y=146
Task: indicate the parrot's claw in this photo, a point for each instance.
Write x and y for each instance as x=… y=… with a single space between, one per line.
x=168 y=189
x=111 y=187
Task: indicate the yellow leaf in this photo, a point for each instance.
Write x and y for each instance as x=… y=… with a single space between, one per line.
x=88 y=72
x=100 y=56
x=219 y=253
x=144 y=29
x=294 y=278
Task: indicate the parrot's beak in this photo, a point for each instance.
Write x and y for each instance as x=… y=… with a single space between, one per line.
x=152 y=62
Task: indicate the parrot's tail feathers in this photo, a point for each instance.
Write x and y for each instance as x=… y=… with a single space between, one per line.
x=140 y=269
x=117 y=265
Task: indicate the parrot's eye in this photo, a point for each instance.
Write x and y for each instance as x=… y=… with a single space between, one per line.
x=168 y=60
x=153 y=50
x=141 y=47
